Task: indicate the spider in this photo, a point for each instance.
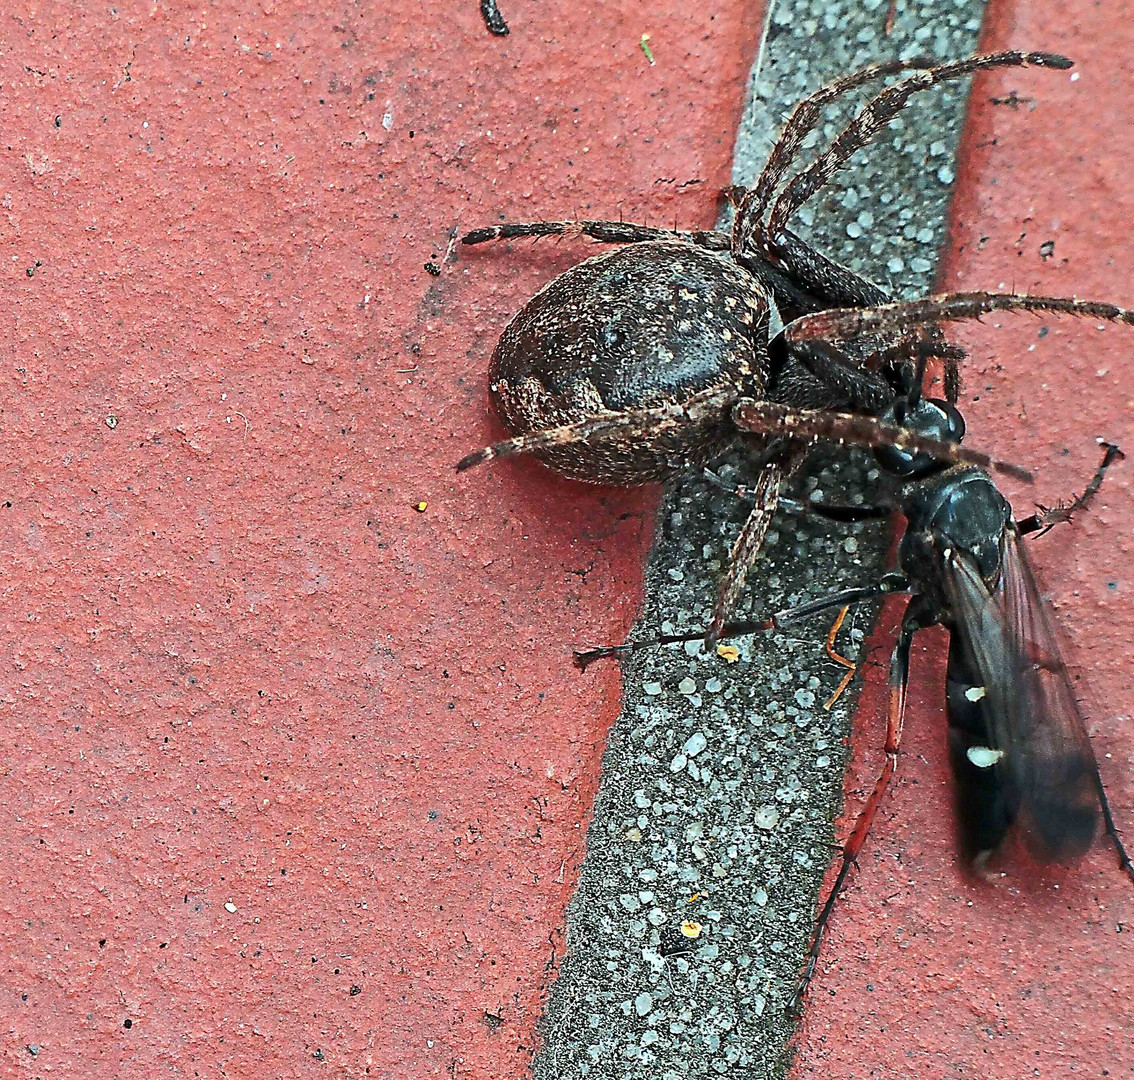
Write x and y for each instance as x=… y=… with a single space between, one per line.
x=651 y=359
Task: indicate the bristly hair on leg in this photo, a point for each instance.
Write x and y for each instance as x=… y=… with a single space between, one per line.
x=748 y=544
x=605 y=232
x=878 y=112
x=857 y=429
x=800 y=123
x=604 y=425
x=842 y=324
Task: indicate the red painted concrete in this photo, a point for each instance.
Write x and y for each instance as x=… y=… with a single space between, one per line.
x=928 y=974
x=296 y=773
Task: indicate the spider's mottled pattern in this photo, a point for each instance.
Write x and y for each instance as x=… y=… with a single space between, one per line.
x=650 y=359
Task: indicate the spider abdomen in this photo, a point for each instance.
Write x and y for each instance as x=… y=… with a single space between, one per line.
x=646 y=325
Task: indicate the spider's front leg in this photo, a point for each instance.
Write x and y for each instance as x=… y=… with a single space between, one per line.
x=605 y=232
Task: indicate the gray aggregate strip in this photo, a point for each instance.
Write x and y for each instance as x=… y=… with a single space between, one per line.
x=721 y=781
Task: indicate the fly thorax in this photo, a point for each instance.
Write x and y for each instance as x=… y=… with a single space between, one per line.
x=961 y=510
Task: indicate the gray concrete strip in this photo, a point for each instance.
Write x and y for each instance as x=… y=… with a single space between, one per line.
x=721 y=781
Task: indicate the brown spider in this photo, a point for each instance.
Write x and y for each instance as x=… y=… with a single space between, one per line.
x=651 y=359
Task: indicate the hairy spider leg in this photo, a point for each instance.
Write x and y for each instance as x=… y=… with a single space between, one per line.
x=878 y=112
x=821 y=276
x=604 y=425
x=830 y=284
x=856 y=429
x=841 y=324
x=605 y=232
x=873 y=117
x=766 y=492
x=748 y=225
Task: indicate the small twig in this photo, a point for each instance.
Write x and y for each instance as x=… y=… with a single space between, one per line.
x=891 y=17
x=762 y=48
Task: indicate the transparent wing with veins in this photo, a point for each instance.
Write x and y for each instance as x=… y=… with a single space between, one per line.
x=1037 y=738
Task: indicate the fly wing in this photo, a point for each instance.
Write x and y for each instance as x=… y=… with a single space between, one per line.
x=1036 y=730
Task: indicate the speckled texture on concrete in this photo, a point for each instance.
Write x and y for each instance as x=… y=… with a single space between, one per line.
x=721 y=781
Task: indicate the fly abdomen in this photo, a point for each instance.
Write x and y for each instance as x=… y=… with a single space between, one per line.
x=987 y=801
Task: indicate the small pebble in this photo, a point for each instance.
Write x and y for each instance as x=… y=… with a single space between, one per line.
x=767 y=817
x=695 y=744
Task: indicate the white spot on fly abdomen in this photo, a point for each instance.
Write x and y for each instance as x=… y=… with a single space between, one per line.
x=983 y=757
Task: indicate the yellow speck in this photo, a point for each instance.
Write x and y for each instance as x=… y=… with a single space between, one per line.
x=728 y=653
x=694 y=898
x=421 y=507
x=691 y=929
x=634 y=834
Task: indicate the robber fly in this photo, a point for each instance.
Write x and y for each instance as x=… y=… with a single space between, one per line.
x=1017 y=741
x=1018 y=744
